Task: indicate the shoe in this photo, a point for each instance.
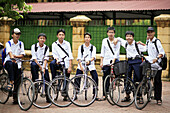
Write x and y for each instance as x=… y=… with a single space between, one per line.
x=159 y=102
x=48 y=101
x=8 y=88
x=141 y=100
x=126 y=99
x=16 y=102
x=65 y=99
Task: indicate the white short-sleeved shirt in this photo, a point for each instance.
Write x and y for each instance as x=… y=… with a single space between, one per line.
x=39 y=55
x=15 y=49
x=131 y=51
x=106 y=52
x=152 y=52
x=57 y=52
x=90 y=55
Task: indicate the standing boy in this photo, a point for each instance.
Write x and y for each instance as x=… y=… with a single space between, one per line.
x=60 y=49
x=39 y=51
x=133 y=55
x=109 y=52
x=14 y=49
x=90 y=50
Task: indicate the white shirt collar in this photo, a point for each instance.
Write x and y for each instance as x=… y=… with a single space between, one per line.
x=152 y=39
x=38 y=45
x=86 y=46
x=12 y=42
x=59 y=42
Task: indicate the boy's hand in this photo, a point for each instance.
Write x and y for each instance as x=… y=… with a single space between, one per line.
x=115 y=41
x=155 y=60
x=69 y=70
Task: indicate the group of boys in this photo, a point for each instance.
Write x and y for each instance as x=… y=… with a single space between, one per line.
x=110 y=51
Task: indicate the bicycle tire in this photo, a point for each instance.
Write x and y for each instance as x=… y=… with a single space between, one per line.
x=87 y=93
x=124 y=86
x=4 y=81
x=27 y=90
x=144 y=88
x=40 y=98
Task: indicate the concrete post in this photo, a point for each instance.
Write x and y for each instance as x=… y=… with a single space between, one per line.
x=79 y=22
x=5 y=23
x=163 y=33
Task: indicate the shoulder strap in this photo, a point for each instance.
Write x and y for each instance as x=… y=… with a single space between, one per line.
x=9 y=43
x=137 y=48
x=110 y=46
x=62 y=49
x=91 y=49
x=36 y=47
x=46 y=47
x=82 y=49
x=126 y=45
x=156 y=45
x=20 y=44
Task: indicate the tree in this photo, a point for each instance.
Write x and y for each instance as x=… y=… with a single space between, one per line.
x=11 y=8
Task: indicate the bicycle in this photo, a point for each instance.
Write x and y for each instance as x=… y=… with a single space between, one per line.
x=122 y=85
x=41 y=86
x=145 y=90
x=85 y=91
x=58 y=88
x=25 y=96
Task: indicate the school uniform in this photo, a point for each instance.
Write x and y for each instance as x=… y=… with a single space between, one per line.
x=14 y=69
x=58 y=53
x=134 y=58
x=152 y=54
x=107 y=55
x=91 y=54
x=38 y=54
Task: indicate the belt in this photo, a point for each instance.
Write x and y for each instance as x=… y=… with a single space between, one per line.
x=135 y=58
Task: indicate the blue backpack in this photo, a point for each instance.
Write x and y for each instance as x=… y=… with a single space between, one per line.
x=4 y=51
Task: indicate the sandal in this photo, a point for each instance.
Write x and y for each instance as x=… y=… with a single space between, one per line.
x=8 y=88
x=159 y=102
x=98 y=99
x=141 y=100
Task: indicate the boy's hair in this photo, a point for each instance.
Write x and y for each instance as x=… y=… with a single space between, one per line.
x=42 y=34
x=110 y=28
x=129 y=33
x=61 y=30
x=87 y=34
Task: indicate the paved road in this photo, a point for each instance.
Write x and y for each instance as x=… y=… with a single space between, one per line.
x=98 y=106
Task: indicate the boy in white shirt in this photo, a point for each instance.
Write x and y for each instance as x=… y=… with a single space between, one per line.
x=109 y=53
x=14 y=49
x=90 y=50
x=60 y=49
x=39 y=51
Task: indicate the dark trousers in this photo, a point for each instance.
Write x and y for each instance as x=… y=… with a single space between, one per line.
x=158 y=85
x=54 y=67
x=34 y=72
x=106 y=71
x=14 y=75
x=93 y=74
x=135 y=65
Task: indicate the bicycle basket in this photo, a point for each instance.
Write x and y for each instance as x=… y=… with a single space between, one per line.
x=121 y=67
x=146 y=66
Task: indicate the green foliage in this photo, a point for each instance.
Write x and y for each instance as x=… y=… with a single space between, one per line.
x=11 y=8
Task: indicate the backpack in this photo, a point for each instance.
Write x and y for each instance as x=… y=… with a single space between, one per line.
x=36 y=48
x=163 y=63
x=4 y=51
x=82 y=49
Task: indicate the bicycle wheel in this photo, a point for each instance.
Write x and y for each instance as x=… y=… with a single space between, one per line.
x=57 y=92
x=143 y=91
x=4 y=95
x=118 y=90
x=25 y=94
x=109 y=79
x=41 y=98
x=86 y=92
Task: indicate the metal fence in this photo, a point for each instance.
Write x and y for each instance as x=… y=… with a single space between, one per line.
x=30 y=33
x=100 y=32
